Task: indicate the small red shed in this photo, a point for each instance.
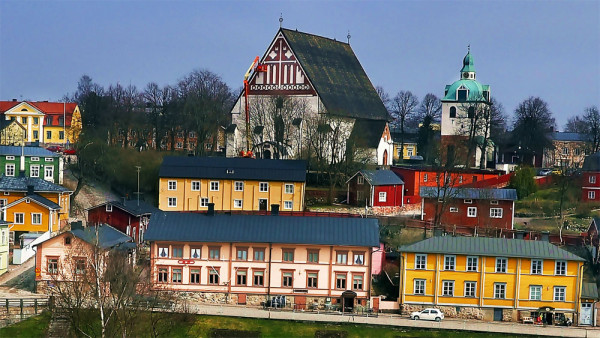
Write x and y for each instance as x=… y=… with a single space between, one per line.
x=380 y=189
x=130 y=216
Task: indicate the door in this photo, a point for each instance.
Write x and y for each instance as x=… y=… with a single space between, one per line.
x=49 y=173
x=586 y=314
x=376 y=304
x=242 y=299
x=348 y=304
x=262 y=204
x=385 y=157
x=498 y=315
x=300 y=302
x=425 y=315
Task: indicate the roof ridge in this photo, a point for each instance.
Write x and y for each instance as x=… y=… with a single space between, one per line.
x=315 y=35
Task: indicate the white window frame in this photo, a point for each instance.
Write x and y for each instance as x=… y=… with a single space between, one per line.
x=34 y=168
x=421 y=265
x=503 y=265
x=535 y=290
x=468 y=266
x=49 y=159
x=496 y=212
x=453 y=209
x=238 y=204
x=468 y=201
x=289 y=188
x=360 y=180
x=202 y=200
x=172 y=202
x=419 y=286
x=33 y=215
x=472 y=212
x=409 y=152
x=591 y=195
x=540 y=267
x=448 y=288
x=263 y=187
x=215 y=186
x=499 y=287
x=238 y=186
x=10 y=158
x=474 y=289
x=21 y=215
x=48 y=172
x=592 y=179
x=12 y=169
x=447 y=259
x=288 y=205
x=172 y=185
x=425 y=177
x=494 y=202
x=382 y=196
x=560 y=268
x=109 y=208
x=560 y=294
x=35 y=159
x=195 y=185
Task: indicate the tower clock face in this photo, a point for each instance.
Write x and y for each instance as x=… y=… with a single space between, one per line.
x=465 y=74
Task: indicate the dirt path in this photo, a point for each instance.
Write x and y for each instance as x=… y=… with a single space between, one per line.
x=91 y=194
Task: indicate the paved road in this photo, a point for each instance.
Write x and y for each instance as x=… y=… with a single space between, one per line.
x=396 y=320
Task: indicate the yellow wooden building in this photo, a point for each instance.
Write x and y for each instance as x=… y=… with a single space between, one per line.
x=410 y=144
x=490 y=278
x=32 y=204
x=237 y=184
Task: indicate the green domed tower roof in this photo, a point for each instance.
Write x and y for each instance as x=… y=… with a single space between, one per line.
x=468 y=63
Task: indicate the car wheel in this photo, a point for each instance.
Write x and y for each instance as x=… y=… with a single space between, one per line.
x=416 y=317
x=438 y=319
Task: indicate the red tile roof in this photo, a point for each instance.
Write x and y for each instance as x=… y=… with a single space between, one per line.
x=53 y=110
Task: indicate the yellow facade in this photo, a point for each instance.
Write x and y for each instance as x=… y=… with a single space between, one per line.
x=13 y=134
x=49 y=219
x=410 y=149
x=519 y=290
x=185 y=194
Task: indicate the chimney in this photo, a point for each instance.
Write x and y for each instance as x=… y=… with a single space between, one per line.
x=519 y=234
x=211 y=209
x=14 y=100
x=275 y=209
x=437 y=232
x=546 y=236
x=30 y=189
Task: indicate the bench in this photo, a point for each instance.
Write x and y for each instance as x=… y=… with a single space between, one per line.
x=527 y=320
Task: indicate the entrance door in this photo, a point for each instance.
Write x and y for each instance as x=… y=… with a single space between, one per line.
x=300 y=302
x=242 y=299
x=498 y=315
x=262 y=204
x=586 y=314
x=348 y=304
x=376 y=304
x=385 y=157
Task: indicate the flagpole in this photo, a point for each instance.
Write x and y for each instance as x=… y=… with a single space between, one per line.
x=64 y=122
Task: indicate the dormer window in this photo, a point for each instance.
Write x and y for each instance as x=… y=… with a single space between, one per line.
x=230 y=171
x=486 y=95
x=462 y=93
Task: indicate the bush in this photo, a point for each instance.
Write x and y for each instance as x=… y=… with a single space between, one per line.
x=523 y=182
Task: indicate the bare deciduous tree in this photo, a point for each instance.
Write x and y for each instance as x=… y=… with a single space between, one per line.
x=403 y=105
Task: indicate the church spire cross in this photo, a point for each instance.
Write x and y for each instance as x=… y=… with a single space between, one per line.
x=469 y=48
x=348 y=36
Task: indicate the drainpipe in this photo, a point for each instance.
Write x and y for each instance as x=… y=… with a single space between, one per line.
x=269 y=271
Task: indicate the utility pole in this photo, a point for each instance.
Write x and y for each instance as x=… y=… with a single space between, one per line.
x=138 y=168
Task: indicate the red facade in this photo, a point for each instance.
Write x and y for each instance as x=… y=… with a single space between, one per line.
x=590 y=187
x=119 y=219
x=359 y=191
x=456 y=212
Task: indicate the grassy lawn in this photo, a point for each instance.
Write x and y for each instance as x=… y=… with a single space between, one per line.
x=30 y=328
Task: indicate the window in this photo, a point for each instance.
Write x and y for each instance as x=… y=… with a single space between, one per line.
x=288 y=205
x=340 y=281
x=577 y=151
x=560 y=268
x=49 y=159
x=179 y=145
x=80 y=266
x=560 y=293
x=289 y=188
x=359 y=258
x=496 y=212
x=34 y=171
x=48 y=134
x=500 y=264
x=494 y=202
x=288 y=279
x=214 y=185
x=453 y=209
x=565 y=151
x=19 y=218
x=398 y=153
x=204 y=202
x=500 y=290
x=177 y=252
x=241 y=277
x=194 y=276
x=472 y=263
x=214 y=253
x=313 y=256
x=172 y=202
x=536 y=266
x=259 y=278
x=259 y=255
x=470 y=289
x=472 y=212
x=591 y=195
x=163 y=252
x=61 y=135
x=425 y=178
x=452 y=112
x=195 y=253
x=421 y=261
x=213 y=276
x=471 y=112
x=195 y=185
x=460 y=179
x=176 y=275
x=593 y=179
x=109 y=208
x=237 y=204
x=35 y=159
x=10 y=170
x=312 y=280
x=448 y=288
x=239 y=186
x=36 y=219
x=10 y=158
x=360 y=180
x=382 y=196
x=468 y=201
x=419 y=287
x=462 y=95
x=342 y=257
x=410 y=152
x=52 y=265
x=357 y=282
x=36 y=120
x=263 y=187
x=535 y=292
x=288 y=255
x=242 y=254
x=449 y=262
x=48 y=172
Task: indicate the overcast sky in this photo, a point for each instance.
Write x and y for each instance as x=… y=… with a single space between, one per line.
x=549 y=49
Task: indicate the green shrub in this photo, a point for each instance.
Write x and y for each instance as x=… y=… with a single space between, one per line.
x=523 y=182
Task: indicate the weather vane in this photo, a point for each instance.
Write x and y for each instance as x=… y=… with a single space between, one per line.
x=280 y=19
x=348 y=36
x=469 y=48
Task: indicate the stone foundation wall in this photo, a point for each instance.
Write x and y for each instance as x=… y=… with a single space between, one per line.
x=463 y=312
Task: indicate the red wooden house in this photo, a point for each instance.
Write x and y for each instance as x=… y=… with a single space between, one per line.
x=590 y=185
x=471 y=207
x=415 y=177
x=129 y=216
x=381 y=190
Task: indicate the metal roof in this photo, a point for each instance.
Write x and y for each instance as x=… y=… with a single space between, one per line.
x=234 y=168
x=589 y=291
x=131 y=207
x=591 y=163
x=27 y=151
x=563 y=136
x=20 y=183
x=44 y=201
x=108 y=237
x=381 y=177
x=496 y=247
x=470 y=193
x=196 y=227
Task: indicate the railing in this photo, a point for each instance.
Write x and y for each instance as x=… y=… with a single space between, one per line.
x=13 y=310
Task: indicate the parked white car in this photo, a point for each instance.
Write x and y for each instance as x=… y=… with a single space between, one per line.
x=428 y=314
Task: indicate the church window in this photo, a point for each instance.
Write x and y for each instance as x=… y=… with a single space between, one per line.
x=452 y=112
x=471 y=112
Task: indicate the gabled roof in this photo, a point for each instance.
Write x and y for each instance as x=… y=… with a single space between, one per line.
x=591 y=163
x=239 y=168
x=19 y=183
x=37 y=199
x=48 y=108
x=367 y=133
x=219 y=228
x=108 y=237
x=131 y=207
x=485 y=246
x=471 y=193
x=28 y=151
x=337 y=76
x=380 y=177
x=589 y=291
x=563 y=136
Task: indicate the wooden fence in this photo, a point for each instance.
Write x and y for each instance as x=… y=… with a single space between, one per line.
x=13 y=310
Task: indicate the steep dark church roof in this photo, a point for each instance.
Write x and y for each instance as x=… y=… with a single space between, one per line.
x=337 y=76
